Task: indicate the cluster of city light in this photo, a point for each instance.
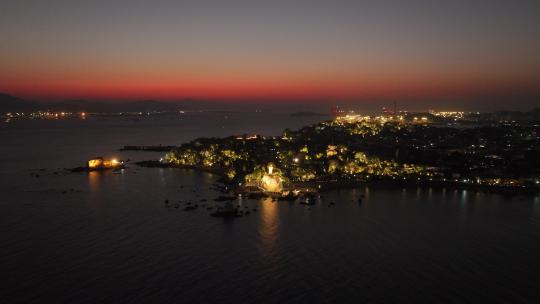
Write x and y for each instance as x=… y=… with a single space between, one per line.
x=66 y=114
x=45 y=115
x=300 y=156
x=448 y=114
x=357 y=118
x=422 y=119
x=213 y=155
x=352 y=118
x=365 y=125
x=336 y=161
x=248 y=137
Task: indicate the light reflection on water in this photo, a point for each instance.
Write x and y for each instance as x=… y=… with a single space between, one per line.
x=268 y=227
x=394 y=231
x=94 y=181
x=114 y=240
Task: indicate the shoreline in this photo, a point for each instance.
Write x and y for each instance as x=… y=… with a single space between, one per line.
x=323 y=186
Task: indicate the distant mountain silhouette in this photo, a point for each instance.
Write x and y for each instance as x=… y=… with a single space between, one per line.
x=9 y=103
x=102 y=106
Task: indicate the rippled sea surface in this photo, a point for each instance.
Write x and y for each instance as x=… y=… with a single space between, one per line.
x=106 y=238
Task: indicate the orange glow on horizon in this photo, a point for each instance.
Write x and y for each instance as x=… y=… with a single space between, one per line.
x=268 y=51
x=296 y=89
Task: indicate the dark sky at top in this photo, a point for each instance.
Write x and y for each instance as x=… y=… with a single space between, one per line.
x=468 y=53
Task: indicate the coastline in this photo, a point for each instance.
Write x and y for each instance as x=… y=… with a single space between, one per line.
x=376 y=182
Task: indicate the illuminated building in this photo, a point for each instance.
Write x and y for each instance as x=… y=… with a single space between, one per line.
x=268 y=179
x=100 y=163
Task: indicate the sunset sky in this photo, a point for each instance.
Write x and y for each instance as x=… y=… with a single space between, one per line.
x=271 y=50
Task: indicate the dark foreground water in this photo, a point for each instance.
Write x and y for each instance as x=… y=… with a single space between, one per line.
x=105 y=238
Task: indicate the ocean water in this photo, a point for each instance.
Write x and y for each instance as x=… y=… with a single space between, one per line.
x=106 y=238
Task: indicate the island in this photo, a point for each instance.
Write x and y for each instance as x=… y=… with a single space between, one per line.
x=419 y=149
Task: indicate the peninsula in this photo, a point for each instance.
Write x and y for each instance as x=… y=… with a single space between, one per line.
x=439 y=148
